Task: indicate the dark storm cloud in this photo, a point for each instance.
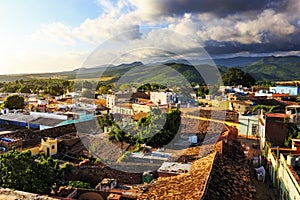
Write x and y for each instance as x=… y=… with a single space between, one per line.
x=219 y=8
x=274 y=45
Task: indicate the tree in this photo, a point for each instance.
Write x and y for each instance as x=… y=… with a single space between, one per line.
x=202 y=91
x=235 y=76
x=87 y=85
x=49 y=86
x=151 y=87
x=265 y=84
x=68 y=86
x=24 y=89
x=88 y=94
x=117 y=134
x=55 y=89
x=158 y=129
x=105 y=121
x=103 y=89
x=13 y=102
x=293 y=132
x=21 y=171
x=10 y=87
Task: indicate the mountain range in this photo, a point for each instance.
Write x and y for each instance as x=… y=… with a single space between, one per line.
x=271 y=68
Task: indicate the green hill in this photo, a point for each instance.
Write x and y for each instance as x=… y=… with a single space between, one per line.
x=266 y=68
x=275 y=68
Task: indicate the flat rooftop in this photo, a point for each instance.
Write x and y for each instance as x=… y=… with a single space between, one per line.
x=175 y=167
x=32 y=119
x=18 y=117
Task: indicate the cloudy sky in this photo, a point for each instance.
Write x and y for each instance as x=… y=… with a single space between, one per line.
x=55 y=35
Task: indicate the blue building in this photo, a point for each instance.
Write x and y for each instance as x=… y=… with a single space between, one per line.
x=291 y=90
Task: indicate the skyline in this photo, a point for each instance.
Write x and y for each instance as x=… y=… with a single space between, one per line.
x=50 y=36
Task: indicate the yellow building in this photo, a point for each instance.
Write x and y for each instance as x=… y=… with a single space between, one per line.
x=48 y=147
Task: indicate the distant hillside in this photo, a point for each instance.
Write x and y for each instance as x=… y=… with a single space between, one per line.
x=236 y=61
x=275 y=68
x=261 y=68
x=278 y=60
x=60 y=75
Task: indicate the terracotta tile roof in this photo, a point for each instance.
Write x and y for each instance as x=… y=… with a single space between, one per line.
x=230 y=175
x=288 y=103
x=280 y=95
x=277 y=115
x=184 y=186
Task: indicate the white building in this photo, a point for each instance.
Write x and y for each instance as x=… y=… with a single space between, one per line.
x=110 y=100
x=263 y=93
x=163 y=98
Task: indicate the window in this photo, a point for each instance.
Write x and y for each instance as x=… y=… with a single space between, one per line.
x=254 y=129
x=53 y=146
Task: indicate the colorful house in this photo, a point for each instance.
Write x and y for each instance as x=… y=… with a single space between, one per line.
x=291 y=90
x=283 y=166
x=48 y=147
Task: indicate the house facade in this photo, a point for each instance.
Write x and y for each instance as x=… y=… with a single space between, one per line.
x=163 y=98
x=283 y=165
x=273 y=127
x=291 y=90
x=248 y=125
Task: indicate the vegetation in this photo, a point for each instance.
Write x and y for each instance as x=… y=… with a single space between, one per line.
x=104 y=88
x=13 y=102
x=21 y=171
x=79 y=184
x=275 y=68
x=265 y=108
x=235 y=76
x=265 y=83
x=105 y=121
x=117 y=134
x=151 y=87
x=157 y=129
x=266 y=68
x=88 y=94
x=47 y=86
x=202 y=91
x=294 y=132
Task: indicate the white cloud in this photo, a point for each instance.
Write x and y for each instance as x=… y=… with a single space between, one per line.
x=108 y=25
x=179 y=33
x=107 y=5
x=267 y=22
x=55 y=32
x=148 y=10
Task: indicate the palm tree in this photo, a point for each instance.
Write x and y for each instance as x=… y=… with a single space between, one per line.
x=117 y=134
